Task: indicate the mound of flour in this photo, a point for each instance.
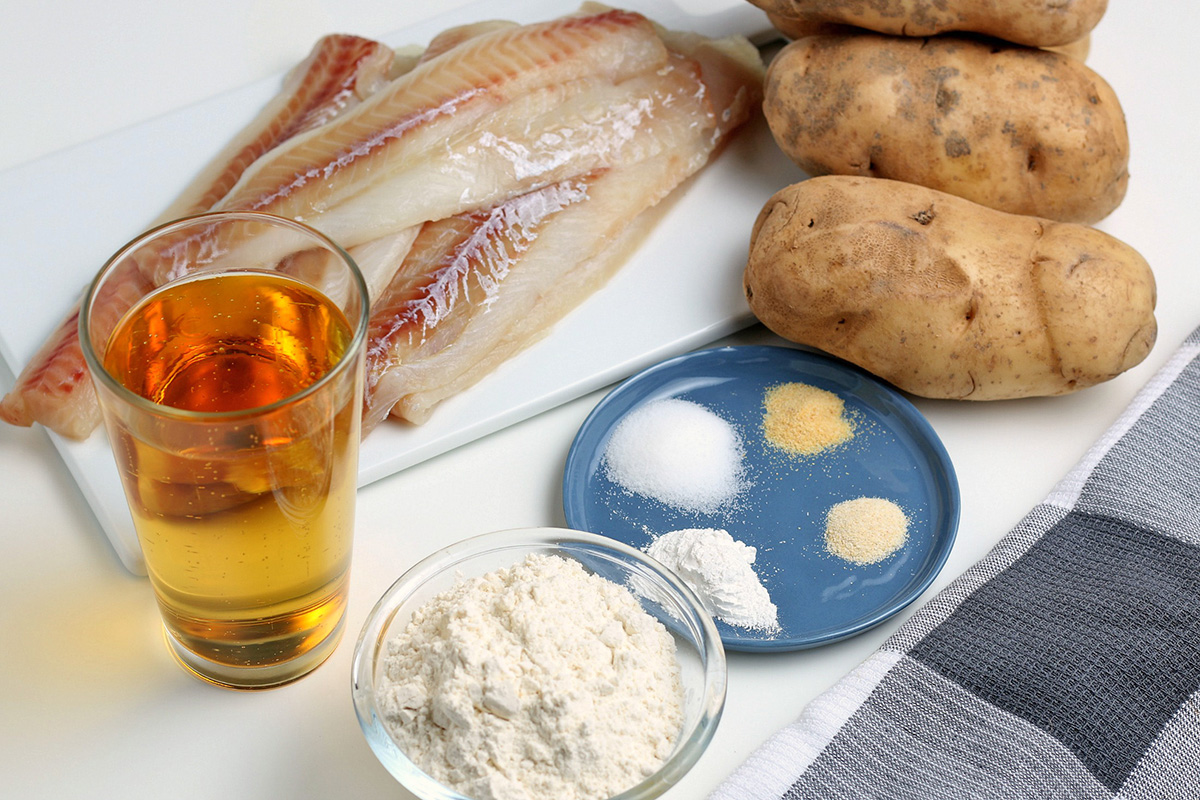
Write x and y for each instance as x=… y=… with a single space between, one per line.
x=720 y=570
x=536 y=681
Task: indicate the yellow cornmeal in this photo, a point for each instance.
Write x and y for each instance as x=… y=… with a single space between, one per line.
x=805 y=420
x=866 y=530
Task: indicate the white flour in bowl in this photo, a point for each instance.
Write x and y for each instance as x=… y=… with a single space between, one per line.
x=536 y=681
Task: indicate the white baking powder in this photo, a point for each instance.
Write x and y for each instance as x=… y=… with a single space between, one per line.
x=677 y=452
x=720 y=570
x=536 y=681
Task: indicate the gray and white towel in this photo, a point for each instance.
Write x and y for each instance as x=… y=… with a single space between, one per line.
x=1065 y=664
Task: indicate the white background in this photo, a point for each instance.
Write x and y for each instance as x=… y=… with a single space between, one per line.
x=91 y=704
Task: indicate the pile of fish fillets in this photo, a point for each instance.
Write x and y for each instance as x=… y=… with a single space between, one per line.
x=485 y=186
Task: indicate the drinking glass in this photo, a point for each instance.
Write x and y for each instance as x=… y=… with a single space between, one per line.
x=227 y=354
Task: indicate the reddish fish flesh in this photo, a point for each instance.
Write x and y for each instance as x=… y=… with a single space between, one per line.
x=455 y=270
x=479 y=287
x=453 y=37
x=731 y=70
x=55 y=389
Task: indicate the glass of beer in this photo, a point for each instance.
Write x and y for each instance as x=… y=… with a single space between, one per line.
x=227 y=354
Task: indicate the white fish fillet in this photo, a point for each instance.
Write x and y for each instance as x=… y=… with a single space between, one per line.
x=339 y=73
x=478 y=288
x=538 y=138
x=494 y=123
x=339 y=179
x=453 y=37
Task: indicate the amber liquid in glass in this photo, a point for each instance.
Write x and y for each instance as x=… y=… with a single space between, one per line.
x=245 y=520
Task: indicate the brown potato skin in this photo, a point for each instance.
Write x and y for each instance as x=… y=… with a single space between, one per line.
x=1079 y=49
x=1036 y=23
x=945 y=298
x=1019 y=129
x=794 y=28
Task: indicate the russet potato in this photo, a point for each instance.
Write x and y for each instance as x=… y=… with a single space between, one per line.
x=1019 y=129
x=794 y=28
x=946 y=298
x=1036 y=23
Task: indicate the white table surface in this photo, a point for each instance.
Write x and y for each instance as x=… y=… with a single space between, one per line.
x=92 y=705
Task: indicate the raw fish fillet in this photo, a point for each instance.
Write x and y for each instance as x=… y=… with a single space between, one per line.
x=536 y=139
x=339 y=73
x=478 y=287
x=379 y=259
x=472 y=79
x=487 y=138
x=343 y=179
x=55 y=389
x=435 y=168
x=453 y=37
x=455 y=270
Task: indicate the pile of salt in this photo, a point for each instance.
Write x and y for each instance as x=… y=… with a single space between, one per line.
x=679 y=453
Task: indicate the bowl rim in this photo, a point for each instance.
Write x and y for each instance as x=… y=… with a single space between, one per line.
x=372 y=638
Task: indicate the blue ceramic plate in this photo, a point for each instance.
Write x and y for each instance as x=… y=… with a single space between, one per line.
x=894 y=454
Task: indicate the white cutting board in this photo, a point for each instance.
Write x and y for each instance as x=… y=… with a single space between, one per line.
x=66 y=213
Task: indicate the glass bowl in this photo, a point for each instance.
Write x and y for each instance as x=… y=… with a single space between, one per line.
x=661 y=593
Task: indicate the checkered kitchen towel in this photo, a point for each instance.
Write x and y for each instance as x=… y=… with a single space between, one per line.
x=1065 y=664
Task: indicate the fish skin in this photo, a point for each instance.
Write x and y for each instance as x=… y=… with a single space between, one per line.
x=478 y=288
x=54 y=389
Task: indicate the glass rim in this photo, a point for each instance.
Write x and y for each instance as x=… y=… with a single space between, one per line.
x=347 y=361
